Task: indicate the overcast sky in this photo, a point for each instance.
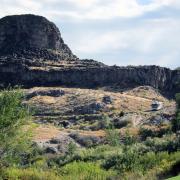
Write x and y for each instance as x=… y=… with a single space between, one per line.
x=121 y=32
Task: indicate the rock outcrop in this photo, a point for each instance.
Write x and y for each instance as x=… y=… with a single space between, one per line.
x=31 y=36
x=32 y=53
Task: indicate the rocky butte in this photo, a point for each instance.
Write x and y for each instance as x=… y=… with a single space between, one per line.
x=33 y=53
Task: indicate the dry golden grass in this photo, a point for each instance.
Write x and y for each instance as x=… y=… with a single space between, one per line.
x=126 y=102
x=133 y=131
x=44 y=100
x=146 y=92
x=45 y=132
x=100 y=133
x=138 y=103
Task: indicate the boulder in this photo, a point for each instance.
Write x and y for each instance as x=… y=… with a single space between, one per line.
x=107 y=100
x=51 y=92
x=91 y=108
x=51 y=150
x=65 y=124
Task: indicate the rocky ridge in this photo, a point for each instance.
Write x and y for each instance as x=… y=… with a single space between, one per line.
x=33 y=53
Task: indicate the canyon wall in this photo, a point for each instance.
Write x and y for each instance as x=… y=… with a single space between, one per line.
x=33 y=53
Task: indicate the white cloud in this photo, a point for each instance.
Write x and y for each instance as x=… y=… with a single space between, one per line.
x=150 y=36
x=84 y=3
x=104 y=9
x=168 y=2
x=153 y=40
x=99 y=9
x=83 y=9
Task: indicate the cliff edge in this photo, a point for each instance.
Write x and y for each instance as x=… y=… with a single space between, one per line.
x=33 y=53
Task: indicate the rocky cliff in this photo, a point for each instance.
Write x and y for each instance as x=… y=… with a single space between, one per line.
x=32 y=53
x=32 y=36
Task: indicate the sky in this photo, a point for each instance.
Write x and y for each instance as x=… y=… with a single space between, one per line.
x=115 y=32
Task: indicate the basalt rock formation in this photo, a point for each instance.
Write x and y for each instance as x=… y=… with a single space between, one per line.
x=33 y=53
x=32 y=36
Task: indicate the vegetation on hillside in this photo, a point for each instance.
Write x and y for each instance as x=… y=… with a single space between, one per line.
x=176 y=121
x=119 y=157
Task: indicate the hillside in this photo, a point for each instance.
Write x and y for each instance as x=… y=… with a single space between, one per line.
x=72 y=110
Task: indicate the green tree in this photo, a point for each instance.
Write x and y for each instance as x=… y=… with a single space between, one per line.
x=14 y=141
x=176 y=121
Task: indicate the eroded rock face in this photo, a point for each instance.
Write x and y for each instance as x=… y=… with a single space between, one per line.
x=32 y=53
x=25 y=34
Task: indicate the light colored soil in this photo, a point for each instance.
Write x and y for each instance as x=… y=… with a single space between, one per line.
x=45 y=132
x=138 y=102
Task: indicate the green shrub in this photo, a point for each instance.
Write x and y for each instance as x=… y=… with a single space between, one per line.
x=28 y=174
x=98 y=153
x=13 y=114
x=15 y=142
x=113 y=137
x=86 y=140
x=150 y=132
x=127 y=161
x=104 y=123
x=178 y=99
x=71 y=148
x=176 y=121
x=129 y=139
x=132 y=161
x=60 y=160
x=84 y=171
x=167 y=143
x=119 y=123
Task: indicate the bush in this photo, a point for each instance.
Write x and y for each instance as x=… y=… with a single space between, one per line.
x=127 y=161
x=14 y=141
x=176 y=121
x=151 y=132
x=120 y=123
x=87 y=141
x=131 y=161
x=113 y=137
x=72 y=148
x=129 y=139
x=13 y=114
x=104 y=123
x=28 y=174
x=177 y=96
x=98 y=153
x=82 y=170
x=169 y=144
